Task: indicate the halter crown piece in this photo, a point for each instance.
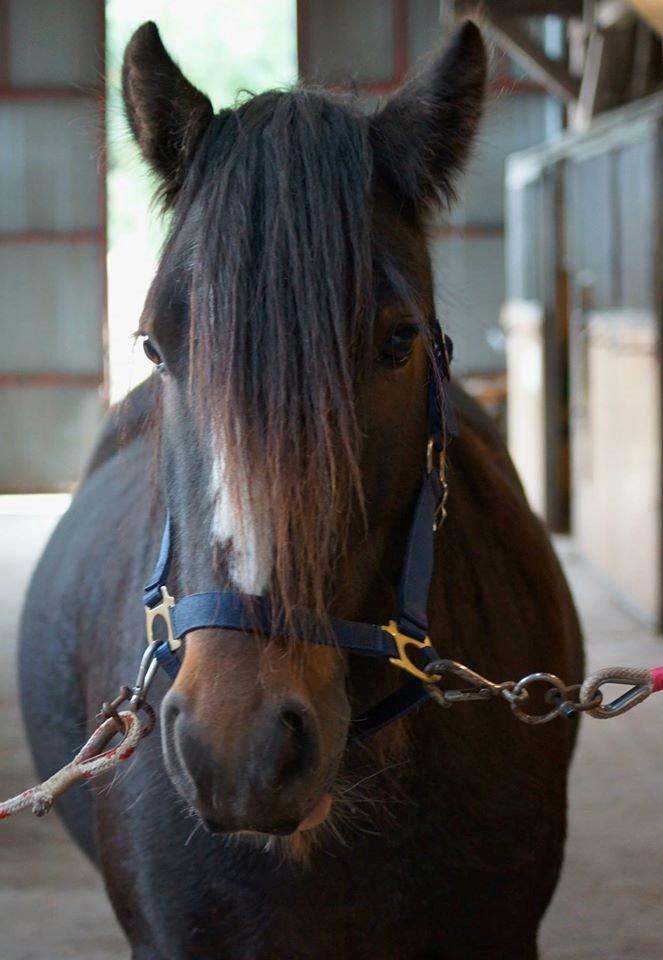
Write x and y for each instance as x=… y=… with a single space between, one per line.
x=393 y=642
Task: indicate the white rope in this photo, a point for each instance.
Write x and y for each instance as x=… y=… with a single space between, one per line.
x=89 y=762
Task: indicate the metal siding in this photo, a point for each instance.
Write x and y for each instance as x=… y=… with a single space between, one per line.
x=511 y=123
x=50 y=42
x=48 y=159
x=50 y=293
x=636 y=211
x=52 y=239
x=334 y=36
x=522 y=242
x=591 y=227
x=469 y=290
x=424 y=29
x=30 y=421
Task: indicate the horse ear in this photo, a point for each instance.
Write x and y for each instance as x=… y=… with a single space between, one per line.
x=166 y=113
x=422 y=137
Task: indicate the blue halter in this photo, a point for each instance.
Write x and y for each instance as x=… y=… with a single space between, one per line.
x=393 y=642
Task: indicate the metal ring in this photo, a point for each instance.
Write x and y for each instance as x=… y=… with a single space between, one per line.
x=515 y=699
x=569 y=707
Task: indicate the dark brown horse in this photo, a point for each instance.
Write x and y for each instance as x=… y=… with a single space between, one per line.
x=286 y=432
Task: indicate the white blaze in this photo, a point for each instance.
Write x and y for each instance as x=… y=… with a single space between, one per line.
x=247 y=538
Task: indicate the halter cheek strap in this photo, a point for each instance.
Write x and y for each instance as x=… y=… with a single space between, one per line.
x=394 y=642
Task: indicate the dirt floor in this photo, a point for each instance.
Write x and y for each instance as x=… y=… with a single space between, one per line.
x=609 y=905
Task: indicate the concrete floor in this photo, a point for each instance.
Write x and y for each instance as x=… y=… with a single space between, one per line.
x=609 y=905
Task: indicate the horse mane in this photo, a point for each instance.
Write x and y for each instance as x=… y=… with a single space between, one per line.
x=273 y=224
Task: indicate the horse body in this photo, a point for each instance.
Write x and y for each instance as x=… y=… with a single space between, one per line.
x=463 y=846
x=454 y=820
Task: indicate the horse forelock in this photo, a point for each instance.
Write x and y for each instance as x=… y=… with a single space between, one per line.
x=276 y=212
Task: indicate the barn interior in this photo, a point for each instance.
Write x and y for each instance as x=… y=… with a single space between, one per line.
x=548 y=279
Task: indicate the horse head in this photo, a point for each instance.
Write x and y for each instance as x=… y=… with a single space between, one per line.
x=290 y=321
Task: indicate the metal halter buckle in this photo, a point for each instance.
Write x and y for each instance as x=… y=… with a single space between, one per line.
x=162 y=610
x=441 y=509
x=402 y=661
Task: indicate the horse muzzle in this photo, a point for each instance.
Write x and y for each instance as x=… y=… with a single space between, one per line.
x=267 y=771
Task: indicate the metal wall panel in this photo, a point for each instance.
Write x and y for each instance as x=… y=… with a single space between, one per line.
x=469 y=288
x=511 y=123
x=50 y=293
x=48 y=158
x=522 y=243
x=636 y=209
x=333 y=41
x=52 y=239
x=46 y=436
x=50 y=41
x=591 y=226
x=425 y=31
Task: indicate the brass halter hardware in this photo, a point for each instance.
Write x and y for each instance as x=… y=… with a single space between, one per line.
x=162 y=610
x=402 y=661
x=441 y=511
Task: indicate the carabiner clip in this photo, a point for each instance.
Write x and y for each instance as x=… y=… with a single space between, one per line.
x=481 y=688
x=146 y=671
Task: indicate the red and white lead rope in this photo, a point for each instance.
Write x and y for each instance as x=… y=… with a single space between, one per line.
x=649 y=680
x=91 y=761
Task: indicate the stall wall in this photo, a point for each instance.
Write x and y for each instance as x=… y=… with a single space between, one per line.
x=584 y=247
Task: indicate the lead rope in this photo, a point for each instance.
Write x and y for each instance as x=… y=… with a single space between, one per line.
x=565 y=701
x=91 y=761
x=96 y=756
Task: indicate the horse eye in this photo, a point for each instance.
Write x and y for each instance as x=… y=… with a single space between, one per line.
x=398 y=346
x=151 y=351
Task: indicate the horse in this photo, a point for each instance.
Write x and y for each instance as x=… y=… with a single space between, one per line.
x=285 y=432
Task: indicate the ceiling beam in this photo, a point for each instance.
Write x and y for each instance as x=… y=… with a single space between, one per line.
x=520 y=47
x=520 y=8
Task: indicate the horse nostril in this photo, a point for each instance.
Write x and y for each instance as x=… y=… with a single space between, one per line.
x=293 y=720
x=288 y=747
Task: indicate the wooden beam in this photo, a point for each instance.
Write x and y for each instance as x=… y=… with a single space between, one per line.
x=50 y=379
x=93 y=235
x=520 y=8
x=584 y=110
x=52 y=93
x=446 y=231
x=520 y=47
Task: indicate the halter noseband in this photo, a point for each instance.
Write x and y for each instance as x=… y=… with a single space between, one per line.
x=391 y=642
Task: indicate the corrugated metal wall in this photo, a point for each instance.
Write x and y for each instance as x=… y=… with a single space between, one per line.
x=370 y=46
x=52 y=239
